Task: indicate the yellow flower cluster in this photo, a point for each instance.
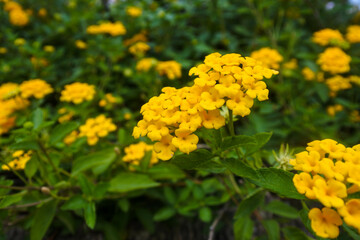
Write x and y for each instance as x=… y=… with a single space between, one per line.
x=139 y=48
x=332 y=110
x=353 y=34
x=69 y=139
x=20 y=158
x=328 y=36
x=174 y=116
x=133 y=11
x=66 y=115
x=77 y=93
x=39 y=62
x=171 y=69
x=109 y=100
x=136 y=152
x=80 y=44
x=36 y=88
x=329 y=172
x=334 y=60
x=291 y=65
x=17 y=15
x=270 y=58
x=140 y=37
x=145 y=64
x=10 y=101
x=95 y=128
x=49 y=48
x=114 y=29
x=337 y=83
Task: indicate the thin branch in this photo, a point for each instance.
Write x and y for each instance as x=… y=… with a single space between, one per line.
x=216 y=221
x=29 y=204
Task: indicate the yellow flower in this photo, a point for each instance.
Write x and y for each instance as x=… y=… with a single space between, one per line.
x=140 y=37
x=39 y=62
x=304 y=184
x=330 y=193
x=354 y=174
x=332 y=110
x=355 y=116
x=292 y=64
x=20 y=158
x=185 y=141
x=325 y=222
x=308 y=73
x=95 y=128
x=334 y=60
x=139 y=48
x=109 y=101
x=42 y=12
x=77 y=93
x=81 y=44
x=19 y=41
x=10 y=6
x=69 y=139
x=171 y=69
x=270 y=58
x=145 y=64
x=328 y=36
x=127 y=116
x=135 y=153
x=177 y=113
x=133 y=11
x=337 y=83
x=37 y=88
x=8 y=90
x=351 y=213
x=114 y=29
x=49 y=48
x=353 y=34
x=18 y=17
x=3 y=50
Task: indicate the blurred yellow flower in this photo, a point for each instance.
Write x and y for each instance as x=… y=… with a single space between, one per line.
x=18 y=17
x=80 y=44
x=3 y=50
x=145 y=64
x=77 y=93
x=337 y=83
x=37 y=88
x=292 y=64
x=270 y=58
x=19 y=41
x=20 y=158
x=133 y=11
x=39 y=62
x=334 y=60
x=332 y=110
x=69 y=139
x=328 y=36
x=140 y=37
x=139 y=48
x=135 y=153
x=353 y=33
x=308 y=73
x=114 y=29
x=49 y=48
x=95 y=128
x=42 y=12
x=171 y=69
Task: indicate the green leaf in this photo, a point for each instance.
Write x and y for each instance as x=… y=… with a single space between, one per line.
x=166 y=171
x=278 y=181
x=125 y=182
x=101 y=189
x=5 y=182
x=192 y=160
x=61 y=131
x=237 y=141
x=42 y=220
x=243 y=228
x=31 y=166
x=239 y=168
x=86 y=186
x=90 y=214
x=354 y=235
x=37 y=118
x=272 y=228
x=304 y=216
x=249 y=204
x=11 y=199
x=205 y=214
x=212 y=137
x=170 y=195
x=164 y=214
x=74 y=203
x=282 y=209
x=146 y=218
x=124 y=204
x=25 y=145
x=261 y=140
x=98 y=162
x=293 y=233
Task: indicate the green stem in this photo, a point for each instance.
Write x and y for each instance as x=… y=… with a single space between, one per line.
x=234 y=184
x=232 y=130
x=43 y=149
